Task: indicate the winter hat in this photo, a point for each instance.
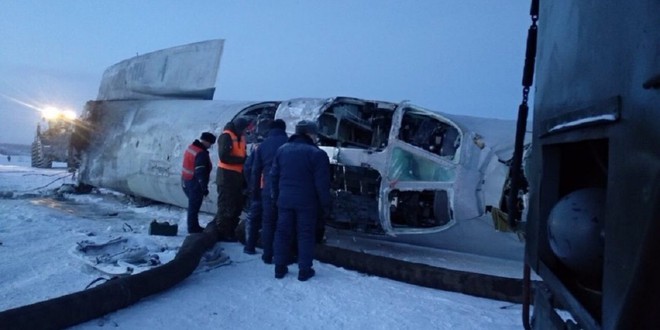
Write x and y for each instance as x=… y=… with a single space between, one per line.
x=240 y=124
x=278 y=123
x=307 y=127
x=208 y=137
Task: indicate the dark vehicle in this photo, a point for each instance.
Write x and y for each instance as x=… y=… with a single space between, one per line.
x=52 y=141
x=594 y=173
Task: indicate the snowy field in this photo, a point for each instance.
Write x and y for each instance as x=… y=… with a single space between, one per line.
x=39 y=224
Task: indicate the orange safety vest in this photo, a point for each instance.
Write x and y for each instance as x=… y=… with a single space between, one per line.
x=237 y=149
x=189 y=161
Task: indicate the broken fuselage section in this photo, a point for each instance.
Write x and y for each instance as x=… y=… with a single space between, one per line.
x=402 y=169
x=396 y=168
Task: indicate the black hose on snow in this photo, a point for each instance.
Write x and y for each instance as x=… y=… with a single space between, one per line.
x=79 y=307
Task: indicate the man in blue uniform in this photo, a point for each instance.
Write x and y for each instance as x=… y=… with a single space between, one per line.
x=263 y=159
x=300 y=177
x=195 y=177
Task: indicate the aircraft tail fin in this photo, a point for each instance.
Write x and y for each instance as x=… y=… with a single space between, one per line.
x=187 y=71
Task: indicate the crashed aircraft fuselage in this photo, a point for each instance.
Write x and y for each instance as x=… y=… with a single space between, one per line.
x=397 y=169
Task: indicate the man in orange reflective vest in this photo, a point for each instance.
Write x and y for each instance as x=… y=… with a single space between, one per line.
x=229 y=178
x=195 y=175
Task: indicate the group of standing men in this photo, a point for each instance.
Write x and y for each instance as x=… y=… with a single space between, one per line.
x=289 y=189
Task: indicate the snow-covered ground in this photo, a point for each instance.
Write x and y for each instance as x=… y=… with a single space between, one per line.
x=38 y=228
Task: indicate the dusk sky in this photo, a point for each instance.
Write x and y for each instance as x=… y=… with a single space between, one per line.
x=461 y=56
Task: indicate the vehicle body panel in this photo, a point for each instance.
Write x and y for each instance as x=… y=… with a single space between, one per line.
x=597 y=126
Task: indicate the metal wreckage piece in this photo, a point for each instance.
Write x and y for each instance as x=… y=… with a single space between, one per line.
x=397 y=169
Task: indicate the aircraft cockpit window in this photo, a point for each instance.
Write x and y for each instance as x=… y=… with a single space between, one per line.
x=406 y=166
x=355 y=125
x=430 y=134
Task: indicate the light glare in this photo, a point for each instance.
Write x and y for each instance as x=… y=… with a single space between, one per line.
x=70 y=114
x=50 y=112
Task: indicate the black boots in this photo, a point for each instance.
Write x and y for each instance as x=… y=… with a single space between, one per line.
x=222 y=237
x=280 y=271
x=225 y=234
x=305 y=274
x=195 y=229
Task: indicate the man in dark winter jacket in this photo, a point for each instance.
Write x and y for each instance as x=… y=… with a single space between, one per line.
x=300 y=177
x=195 y=175
x=263 y=159
x=229 y=178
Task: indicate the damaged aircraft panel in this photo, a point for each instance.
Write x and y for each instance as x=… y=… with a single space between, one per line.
x=396 y=168
x=402 y=169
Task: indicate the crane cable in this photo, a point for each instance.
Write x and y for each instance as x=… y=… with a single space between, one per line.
x=516 y=166
x=521 y=125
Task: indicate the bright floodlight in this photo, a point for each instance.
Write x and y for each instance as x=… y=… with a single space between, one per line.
x=69 y=114
x=50 y=112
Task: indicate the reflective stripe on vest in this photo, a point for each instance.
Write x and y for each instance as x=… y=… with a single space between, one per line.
x=237 y=150
x=189 y=161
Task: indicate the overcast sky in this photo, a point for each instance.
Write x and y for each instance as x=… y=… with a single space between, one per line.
x=458 y=56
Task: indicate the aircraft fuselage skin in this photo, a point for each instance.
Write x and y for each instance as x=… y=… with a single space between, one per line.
x=397 y=169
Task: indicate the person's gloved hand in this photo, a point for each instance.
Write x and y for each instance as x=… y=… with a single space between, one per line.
x=319 y=233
